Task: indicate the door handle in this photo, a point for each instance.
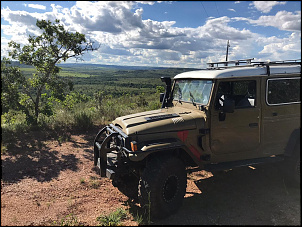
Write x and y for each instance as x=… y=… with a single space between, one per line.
x=253 y=125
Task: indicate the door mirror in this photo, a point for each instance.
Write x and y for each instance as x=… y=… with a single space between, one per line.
x=228 y=105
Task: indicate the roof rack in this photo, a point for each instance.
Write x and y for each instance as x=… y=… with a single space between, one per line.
x=226 y=63
x=285 y=62
x=249 y=62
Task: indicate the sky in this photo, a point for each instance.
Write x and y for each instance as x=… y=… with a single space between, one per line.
x=185 y=34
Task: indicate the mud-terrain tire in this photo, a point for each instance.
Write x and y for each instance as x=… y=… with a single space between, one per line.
x=128 y=185
x=162 y=186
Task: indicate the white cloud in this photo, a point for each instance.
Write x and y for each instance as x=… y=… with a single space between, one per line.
x=146 y=2
x=20 y=17
x=124 y=35
x=266 y=6
x=35 y=6
x=283 y=20
x=4 y=47
x=112 y=17
x=218 y=28
x=280 y=48
x=232 y=10
x=127 y=39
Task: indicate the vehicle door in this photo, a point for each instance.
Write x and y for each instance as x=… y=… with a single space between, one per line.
x=236 y=132
x=281 y=112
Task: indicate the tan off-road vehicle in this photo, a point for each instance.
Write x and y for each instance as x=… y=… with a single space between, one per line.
x=231 y=114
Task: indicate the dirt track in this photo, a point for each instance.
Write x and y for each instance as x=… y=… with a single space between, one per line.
x=45 y=179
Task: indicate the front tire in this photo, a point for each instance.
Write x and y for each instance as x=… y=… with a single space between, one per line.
x=162 y=186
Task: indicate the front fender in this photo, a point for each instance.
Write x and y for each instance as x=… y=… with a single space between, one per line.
x=155 y=147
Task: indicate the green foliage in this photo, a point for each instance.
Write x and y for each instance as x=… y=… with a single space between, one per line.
x=141 y=100
x=3 y=149
x=46 y=105
x=43 y=52
x=160 y=89
x=112 y=219
x=61 y=120
x=11 y=79
x=83 y=119
x=154 y=105
x=69 y=220
x=73 y=98
x=14 y=121
x=99 y=96
x=54 y=45
x=138 y=218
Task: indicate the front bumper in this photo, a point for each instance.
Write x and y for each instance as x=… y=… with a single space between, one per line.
x=110 y=144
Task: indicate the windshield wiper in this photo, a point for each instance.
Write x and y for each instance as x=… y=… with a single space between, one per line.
x=194 y=104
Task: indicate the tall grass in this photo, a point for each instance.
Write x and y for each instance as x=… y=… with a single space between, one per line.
x=113 y=219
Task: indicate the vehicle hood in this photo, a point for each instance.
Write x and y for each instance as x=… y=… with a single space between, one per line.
x=162 y=120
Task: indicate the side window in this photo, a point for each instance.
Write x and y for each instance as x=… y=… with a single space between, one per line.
x=283 y=91
x=243 y=92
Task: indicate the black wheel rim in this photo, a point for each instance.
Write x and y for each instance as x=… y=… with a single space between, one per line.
x=170 y=188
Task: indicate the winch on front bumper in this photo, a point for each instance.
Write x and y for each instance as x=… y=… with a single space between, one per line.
x=110 y=146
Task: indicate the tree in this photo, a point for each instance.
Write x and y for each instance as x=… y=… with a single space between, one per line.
x=44 y=52
x=11 y=78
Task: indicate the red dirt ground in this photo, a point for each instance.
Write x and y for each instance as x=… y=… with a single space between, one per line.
x=45 y=179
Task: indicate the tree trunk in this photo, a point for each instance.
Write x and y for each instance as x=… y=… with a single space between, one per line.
x=37 y=105
x=29 y=117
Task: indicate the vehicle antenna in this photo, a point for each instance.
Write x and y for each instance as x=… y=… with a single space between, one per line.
x=227 y=52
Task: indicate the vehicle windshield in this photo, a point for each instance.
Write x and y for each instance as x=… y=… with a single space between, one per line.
x=190 y=90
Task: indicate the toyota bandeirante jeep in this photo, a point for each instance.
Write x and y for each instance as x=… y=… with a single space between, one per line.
x=232 y=114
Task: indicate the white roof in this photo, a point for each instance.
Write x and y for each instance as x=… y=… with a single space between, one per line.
x=233 y=72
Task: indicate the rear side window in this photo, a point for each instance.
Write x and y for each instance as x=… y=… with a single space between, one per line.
x=283 y=91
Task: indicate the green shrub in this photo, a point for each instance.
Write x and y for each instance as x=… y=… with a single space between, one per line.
x=79 y=111
x=14 y=121
x=62 y=119
x=69 y=220
x=153 y=105
x=83 y=120
x=73 y=98
x=112 y=219
x=142 y=101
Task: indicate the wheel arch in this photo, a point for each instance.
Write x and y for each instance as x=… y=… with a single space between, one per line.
x=179 y=152
x=165 y=147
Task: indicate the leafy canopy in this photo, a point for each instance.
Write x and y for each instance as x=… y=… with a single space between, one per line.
x=43 y=52
x=50 y=48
